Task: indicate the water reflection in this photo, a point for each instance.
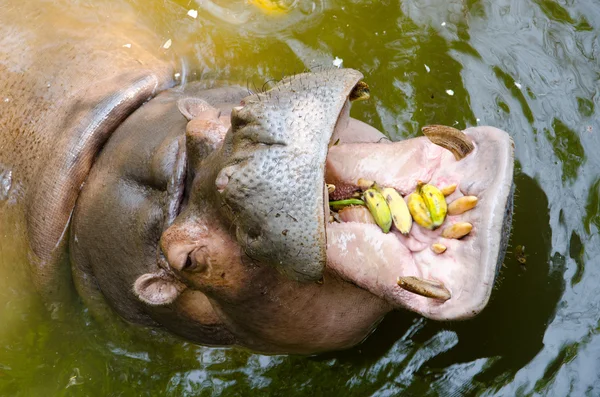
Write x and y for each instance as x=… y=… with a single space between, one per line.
x=261 y=17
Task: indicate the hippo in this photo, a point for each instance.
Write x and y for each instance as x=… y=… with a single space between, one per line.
x=202 y=209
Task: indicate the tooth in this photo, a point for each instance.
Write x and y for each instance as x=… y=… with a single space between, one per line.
x=379 y=209
x=449 y=138
x=457 y=230
x=427 y=288
x=448 y=190
x=435 y=202
x=332 y=144
x=330 y=188
x=360 y=92
x=364 y=184
x=461 y=205
x=419 y=211
x=438 y=248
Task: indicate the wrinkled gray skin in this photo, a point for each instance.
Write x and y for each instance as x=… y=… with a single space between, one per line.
x=203 y=210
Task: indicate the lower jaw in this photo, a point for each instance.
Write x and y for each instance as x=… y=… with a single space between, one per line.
x=363 y=255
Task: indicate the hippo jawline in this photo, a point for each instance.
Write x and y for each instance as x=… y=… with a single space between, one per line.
x=322 y=145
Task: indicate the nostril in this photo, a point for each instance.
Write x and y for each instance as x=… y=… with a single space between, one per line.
x=179 y=255
x=189 y=264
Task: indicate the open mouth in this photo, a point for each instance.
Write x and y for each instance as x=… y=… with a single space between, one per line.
x=444 y=273
x=289 y=145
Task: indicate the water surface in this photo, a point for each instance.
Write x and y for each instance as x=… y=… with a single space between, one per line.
x=529 y=67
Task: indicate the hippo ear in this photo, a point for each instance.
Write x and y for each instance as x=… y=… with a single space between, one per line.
x=158 y=289
x=193 y=108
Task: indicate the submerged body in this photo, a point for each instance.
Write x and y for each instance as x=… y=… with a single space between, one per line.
x=204 y=211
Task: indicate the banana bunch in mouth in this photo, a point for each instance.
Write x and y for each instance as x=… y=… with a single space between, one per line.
x=427 y=207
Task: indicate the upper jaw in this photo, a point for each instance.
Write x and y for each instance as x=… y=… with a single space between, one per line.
x=273 y=167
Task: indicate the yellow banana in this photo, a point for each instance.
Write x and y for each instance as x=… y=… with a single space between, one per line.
x=435 y=202
x=379 y=209
x=398 y=208
x=419 y=211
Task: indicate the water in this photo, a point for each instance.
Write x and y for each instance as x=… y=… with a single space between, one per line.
x=529 y=67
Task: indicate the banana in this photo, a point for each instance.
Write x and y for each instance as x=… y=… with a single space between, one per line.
x=435 y=202
x=398 y=208
x=419 y=211
x=379 y=209
x=461 y=205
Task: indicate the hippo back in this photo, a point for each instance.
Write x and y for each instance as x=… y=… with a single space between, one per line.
x=69 y=76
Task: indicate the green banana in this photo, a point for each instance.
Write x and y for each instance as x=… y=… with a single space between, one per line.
x=379 y=209
x=339 y=204
x=435 y=201
x=398 y=209
x=419 y=211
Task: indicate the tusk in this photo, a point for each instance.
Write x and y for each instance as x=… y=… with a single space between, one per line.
x=360 y=92
x=364 y=184
x=449 y=138
x=427 y=288
x=448 y=190
x=462 y=205
x=438 y=248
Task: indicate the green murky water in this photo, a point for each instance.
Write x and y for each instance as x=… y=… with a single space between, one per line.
x=529 y=67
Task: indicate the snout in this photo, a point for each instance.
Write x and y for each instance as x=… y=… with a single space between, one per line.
x=271 y=181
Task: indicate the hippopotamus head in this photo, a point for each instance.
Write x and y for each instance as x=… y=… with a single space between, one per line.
x=207 y=213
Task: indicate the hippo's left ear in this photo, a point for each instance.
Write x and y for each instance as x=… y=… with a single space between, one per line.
x=192 y=108
x=158 y=289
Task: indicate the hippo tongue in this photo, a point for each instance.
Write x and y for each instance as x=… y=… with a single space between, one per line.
x=274 y=166
x=360 y=252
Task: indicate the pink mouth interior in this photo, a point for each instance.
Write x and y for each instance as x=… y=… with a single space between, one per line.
x=361 y=253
